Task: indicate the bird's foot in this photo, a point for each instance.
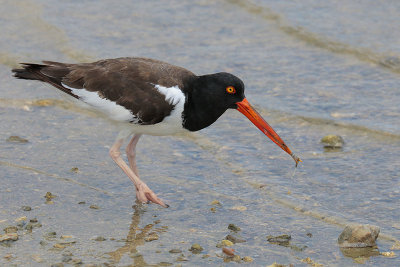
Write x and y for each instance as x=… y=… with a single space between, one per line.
x=145 y=195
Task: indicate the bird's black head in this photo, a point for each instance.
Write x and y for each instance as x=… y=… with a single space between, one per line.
x=222 y=89
x=209 y=97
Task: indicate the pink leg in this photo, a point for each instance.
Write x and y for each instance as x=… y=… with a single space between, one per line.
x=143 y=192
x=131 y=153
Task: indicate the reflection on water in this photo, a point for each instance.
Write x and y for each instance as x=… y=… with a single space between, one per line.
x=360 y=252
x=135 y=238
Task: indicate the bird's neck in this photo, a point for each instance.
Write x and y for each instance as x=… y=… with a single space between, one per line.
x=201 y=108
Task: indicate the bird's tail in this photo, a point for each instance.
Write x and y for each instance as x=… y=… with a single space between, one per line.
x=29 y=71
x=49 y=72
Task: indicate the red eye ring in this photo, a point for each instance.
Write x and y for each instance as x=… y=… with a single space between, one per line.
x=230 y=90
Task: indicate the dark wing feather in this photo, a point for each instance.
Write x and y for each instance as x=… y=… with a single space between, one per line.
x=127 y=81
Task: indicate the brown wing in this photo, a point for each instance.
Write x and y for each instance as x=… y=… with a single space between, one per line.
x=129 y=82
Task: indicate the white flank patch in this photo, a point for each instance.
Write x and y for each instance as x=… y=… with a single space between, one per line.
x=110 y=108
x=172 y=94
x=173 y=123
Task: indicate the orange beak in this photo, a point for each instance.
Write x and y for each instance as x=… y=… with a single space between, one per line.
x=246 y=109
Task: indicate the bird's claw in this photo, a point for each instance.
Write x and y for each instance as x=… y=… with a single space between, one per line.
x=145 y=195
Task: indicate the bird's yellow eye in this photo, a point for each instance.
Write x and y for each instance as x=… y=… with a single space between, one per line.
x=230 y=90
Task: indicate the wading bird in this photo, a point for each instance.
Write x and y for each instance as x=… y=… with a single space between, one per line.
x=147 y=96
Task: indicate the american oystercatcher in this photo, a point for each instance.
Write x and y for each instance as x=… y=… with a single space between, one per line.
x=147 y=96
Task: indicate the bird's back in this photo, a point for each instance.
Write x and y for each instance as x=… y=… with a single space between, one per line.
x=132 y=84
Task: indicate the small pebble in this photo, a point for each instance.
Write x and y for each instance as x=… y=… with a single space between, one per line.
x=51 y=234
x=181 y=258
x=228 y=251
x=236 y=258
x=10 y=229
x=239 y=208
x=215 y=202
x=234 y=239
x=282 y=240
x=151 y=237
x=276 y=265
x=65 y=243
x=213 y=210
x=233 y=227
x=175 y=250
x=17 y=139
x=81 y=202
x=226 y=243
x=309 y=235
x=100 y=238
x=9 y=237
x=247 y=259
x=309 y=261
x=23 y=218
x=57 y=265
x=332 y=141
x=389 y=254
x=95 y=207
x=67 y=253
x=43 y=243
x=26 y=208
x=31 y=225
x=34 y=220
x=66 y=236
x=196 y=248
x=49 y=196
x=74 y=169
x=8 y=256
x=59 y=246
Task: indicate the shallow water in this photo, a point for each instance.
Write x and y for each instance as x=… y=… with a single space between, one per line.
x=310 y=68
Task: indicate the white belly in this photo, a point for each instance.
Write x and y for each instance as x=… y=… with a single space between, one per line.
x=121 y=116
